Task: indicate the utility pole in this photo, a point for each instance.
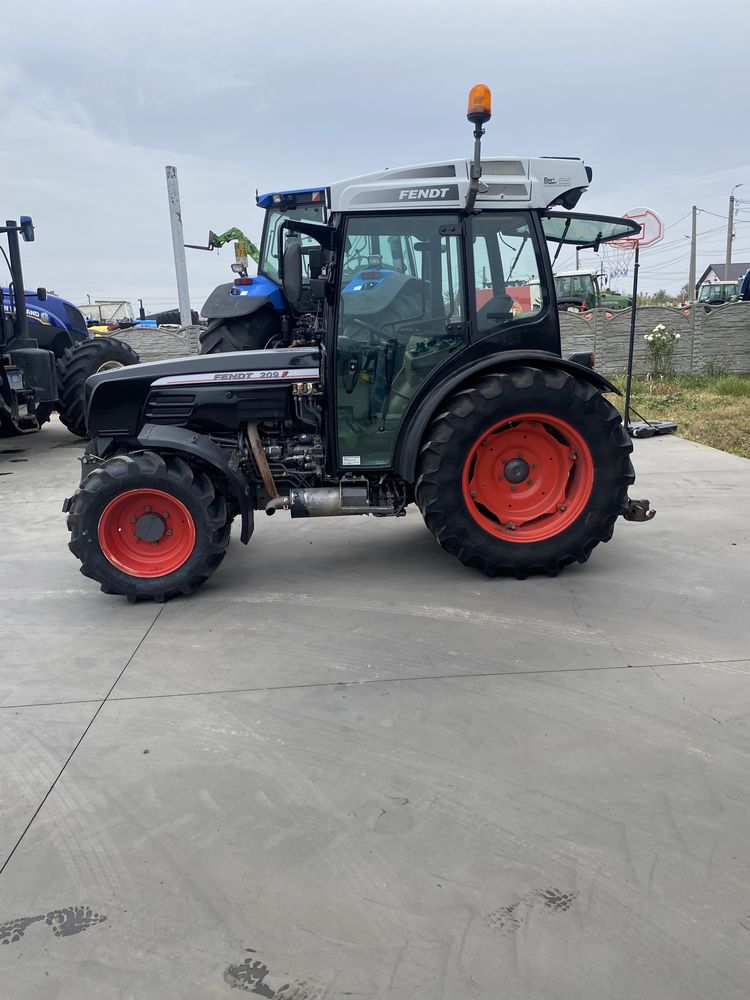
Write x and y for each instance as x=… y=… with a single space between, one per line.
x=730 y=233
x=693 y=241
x=178 y=244
x=730 y=222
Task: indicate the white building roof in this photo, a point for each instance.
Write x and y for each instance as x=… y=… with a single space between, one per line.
x=506 y=182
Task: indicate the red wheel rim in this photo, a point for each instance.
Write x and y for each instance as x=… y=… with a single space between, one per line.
x=528 y=478
x=146 y=533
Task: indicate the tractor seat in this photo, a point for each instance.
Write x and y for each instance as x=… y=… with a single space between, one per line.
x=495 y=310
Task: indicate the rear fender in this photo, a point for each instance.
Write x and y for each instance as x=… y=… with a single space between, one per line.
x=190 y=446
x=231 y=301
x=416 y=422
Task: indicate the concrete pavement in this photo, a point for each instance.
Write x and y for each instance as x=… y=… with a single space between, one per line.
x=349 y=766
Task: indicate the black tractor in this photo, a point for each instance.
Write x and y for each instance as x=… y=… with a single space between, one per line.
x=45 y=360
x=408 y=373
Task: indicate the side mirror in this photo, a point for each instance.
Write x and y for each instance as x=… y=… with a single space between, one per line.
x=41 y=294
x=292 y=279
x=27 y=229
x=238 y=268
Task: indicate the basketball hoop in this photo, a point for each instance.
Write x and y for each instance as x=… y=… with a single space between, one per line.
x=617 y=255
x=616 y=261
x=652 y=231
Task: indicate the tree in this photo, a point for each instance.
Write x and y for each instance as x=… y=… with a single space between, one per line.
x=658 y=298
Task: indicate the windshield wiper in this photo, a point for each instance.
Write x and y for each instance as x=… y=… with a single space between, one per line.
x=562 y=241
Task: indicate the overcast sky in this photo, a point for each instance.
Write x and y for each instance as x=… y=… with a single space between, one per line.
x=95 y=99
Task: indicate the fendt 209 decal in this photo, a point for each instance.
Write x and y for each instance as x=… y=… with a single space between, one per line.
x=270 y=375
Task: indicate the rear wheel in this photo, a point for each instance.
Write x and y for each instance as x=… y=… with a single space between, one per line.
x=524 y=472
x=148 y=527
x=99 y=354
x=251 y=333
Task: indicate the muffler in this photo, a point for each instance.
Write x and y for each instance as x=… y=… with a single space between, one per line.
x=324 y=501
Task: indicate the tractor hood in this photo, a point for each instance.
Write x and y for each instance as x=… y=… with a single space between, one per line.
x=259 y=383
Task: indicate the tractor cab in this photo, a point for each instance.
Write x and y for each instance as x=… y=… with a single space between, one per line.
x=415 y=288
x=305 y=205
x=718 y=292
x=576 y=290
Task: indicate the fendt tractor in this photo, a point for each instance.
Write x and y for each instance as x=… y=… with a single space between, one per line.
x=397 y=378
x=46 y=351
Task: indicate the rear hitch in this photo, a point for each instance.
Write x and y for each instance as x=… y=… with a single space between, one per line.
x=639 y=510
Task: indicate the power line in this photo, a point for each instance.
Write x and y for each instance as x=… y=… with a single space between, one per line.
x=707 y=212
x=673 y=224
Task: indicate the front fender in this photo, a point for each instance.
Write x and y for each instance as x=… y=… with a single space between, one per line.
x=187 y=444
x=184 y=442
x=423 y=409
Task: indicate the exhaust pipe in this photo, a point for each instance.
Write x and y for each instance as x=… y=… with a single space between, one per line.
x=324 y=501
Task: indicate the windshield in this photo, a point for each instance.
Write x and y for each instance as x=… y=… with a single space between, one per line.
x=269 y=248
x=719 y=290
x=574 y=286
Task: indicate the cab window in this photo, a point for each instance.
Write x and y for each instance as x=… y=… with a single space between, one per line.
x=269 y=248
x=507 y=269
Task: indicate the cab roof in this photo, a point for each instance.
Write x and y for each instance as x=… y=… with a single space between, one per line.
x=506 y=182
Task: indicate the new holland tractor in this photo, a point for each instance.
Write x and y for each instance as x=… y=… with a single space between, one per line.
x=248 y=314
x=398 y=383
x=46 y=351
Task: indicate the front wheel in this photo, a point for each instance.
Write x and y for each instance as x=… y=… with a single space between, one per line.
x=524 y=472
x=148 y=527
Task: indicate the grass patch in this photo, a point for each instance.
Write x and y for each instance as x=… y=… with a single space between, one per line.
x=709 y=409
x=733 y=385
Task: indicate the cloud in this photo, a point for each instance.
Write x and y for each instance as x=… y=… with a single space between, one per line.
x=97 y=98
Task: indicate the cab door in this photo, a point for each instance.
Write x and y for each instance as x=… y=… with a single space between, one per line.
x=401 y=313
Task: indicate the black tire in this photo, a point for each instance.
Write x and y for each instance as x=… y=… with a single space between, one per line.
x=76 y=365
x=250 y=333
x=148 y=470
x=454 y=436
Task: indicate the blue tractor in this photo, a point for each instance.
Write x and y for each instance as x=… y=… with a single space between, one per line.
x=251 y=313
x=46 y=350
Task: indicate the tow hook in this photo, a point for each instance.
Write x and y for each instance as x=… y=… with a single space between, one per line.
x=639 y=510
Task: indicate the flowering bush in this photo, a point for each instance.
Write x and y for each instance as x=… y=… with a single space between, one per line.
x=662 y=343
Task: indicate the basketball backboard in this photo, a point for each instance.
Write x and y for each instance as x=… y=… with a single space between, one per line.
x=652 y=229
